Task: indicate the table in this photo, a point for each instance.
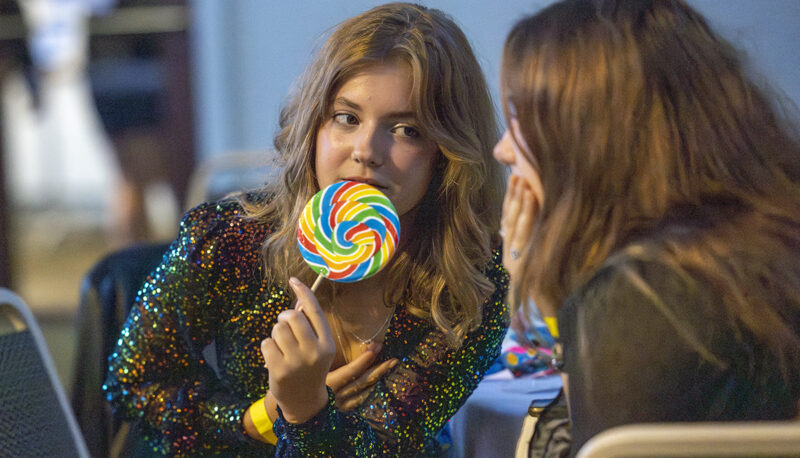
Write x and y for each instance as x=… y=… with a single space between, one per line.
x=489 y=423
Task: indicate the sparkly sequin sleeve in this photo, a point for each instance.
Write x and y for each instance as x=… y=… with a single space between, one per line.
x=158 y=375
x=411 y=404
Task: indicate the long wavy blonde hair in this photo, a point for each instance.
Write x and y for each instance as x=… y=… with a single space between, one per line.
x=440 y=270
x=639 y=117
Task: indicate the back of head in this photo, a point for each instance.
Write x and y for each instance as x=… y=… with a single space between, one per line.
x=637 y=114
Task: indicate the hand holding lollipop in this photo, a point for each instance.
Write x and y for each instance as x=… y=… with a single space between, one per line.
x=348 y=232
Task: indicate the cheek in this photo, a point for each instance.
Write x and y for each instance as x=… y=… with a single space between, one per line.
x=330 y=147
x=323 y=146
x=425 y=164
x=414 y=160
x=425 y=171
x=418 y=168
x=324 y=163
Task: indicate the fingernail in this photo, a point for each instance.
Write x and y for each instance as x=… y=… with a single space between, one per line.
x=393 y=363
x=294 y=281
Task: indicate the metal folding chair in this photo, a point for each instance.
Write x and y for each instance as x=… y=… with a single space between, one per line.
x=35 y=417
x=697 y=439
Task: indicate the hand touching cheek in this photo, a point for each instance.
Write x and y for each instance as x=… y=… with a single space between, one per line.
x=519 y=215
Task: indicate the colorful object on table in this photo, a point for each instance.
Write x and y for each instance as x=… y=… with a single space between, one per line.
x=525 y=360
x=348 y=231
x=552 y=325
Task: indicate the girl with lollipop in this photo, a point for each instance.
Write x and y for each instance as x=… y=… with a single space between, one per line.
x=394 y=99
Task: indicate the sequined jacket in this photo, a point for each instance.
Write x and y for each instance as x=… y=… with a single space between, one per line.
x=210 y=288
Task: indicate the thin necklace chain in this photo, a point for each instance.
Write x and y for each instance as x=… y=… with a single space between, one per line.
x=369 y=341
x=339 y=337
x=339 y=327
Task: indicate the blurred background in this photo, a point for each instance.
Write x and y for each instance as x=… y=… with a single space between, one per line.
x=118 y=115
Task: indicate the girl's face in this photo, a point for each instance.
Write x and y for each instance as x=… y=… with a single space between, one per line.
x=371 y=135
x=513 y=151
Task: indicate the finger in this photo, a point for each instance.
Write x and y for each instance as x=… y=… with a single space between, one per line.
x=342 y=376
x=510 y=186
x=352 y=397
x=508 y=199
x=270 y=351
x=524 y=225
x=512 y=208
x=297 y=321
x=376 y=373
x=284 y=338
x=349 y=403
x=357 y=392
x=310 y=306
x=368 y=378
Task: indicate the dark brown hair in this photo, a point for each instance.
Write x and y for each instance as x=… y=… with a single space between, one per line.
x=639 y=116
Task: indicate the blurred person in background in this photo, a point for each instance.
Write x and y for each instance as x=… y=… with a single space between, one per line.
x=100 y=94
x=653 y=215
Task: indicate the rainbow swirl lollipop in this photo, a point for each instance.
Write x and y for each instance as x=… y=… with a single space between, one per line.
x=348 y=231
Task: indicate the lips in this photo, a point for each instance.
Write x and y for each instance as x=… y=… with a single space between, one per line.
x=368 y=181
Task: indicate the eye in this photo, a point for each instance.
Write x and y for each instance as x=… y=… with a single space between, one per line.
x=406 y=131
x=346 y=119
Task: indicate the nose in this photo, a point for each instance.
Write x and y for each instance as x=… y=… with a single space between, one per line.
x=504 y=149
x=368 y=148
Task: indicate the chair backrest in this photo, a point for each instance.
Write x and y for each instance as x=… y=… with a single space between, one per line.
x=696 y=439
x=107 y=293
x=218 y=176
x=35 y=418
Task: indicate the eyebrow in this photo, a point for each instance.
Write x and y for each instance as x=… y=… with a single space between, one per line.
x=394 y=115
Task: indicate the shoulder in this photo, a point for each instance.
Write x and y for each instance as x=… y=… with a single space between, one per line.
x=626 y=275
x=627 y=280
x=653 y=302
x=495 y=307
x=215 y=235
x=495 y=271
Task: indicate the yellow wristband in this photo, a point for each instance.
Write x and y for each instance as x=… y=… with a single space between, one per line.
x=552 y=325
x=258 y=413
